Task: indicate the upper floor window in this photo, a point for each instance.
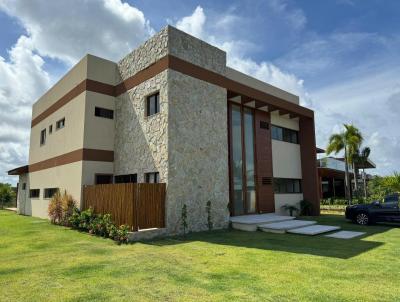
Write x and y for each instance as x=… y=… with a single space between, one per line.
x=287 y=185
x=153 y=104
x=284 y=134
x=49 y=192
x=153 y=177
x=43 y=137
x=34 y=193
x=50 y=129
x=103 y=112
x=60 y=124
x=127 y=178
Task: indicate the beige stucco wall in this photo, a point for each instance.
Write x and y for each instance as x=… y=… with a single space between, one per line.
x=284 y=121
x=61 y=141
x=290 y=199
x=66 y=177
x=91 y=168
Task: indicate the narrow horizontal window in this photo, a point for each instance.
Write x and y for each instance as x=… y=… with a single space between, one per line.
x=153 y=177
x=153 y=104
x=128 y=178
x=60 y=124
x=103 y=112
x=34 y=193
x=284 y=134
x=287 y=185
x=101 y=179
x=49 y=192
x=43 y=137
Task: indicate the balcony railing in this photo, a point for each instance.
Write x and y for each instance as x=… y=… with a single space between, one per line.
x=332 y=163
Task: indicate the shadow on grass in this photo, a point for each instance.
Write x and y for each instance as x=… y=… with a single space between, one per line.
x=292 y=243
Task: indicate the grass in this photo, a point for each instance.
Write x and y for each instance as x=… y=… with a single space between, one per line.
x=43 y=262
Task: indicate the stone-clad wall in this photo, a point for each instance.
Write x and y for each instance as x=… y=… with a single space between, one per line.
x=196 y=51
x=141 y=141
x=198 y=152
x=187 y=141
x=148 y=53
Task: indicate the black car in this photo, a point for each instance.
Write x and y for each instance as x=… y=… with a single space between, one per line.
x=388 y=210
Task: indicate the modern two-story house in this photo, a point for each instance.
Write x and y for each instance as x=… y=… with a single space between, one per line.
x=172 y=111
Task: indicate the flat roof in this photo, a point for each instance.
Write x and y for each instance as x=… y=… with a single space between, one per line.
x=19 y=170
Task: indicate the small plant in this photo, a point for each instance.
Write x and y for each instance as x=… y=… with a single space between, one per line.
x=55 y=208
x=184 y=219
x=122 y=234
x=306 y=208
x=209 y=218
x=290 y=208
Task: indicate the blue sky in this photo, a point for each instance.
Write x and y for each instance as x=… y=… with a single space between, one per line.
x=341 y=57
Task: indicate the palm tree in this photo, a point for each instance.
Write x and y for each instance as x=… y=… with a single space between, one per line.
x=348 y=141
x=360 y=158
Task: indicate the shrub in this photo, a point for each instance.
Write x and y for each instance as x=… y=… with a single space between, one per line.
x=122 y=234
x=290 y=208
x=306 y=208
x=61 y=208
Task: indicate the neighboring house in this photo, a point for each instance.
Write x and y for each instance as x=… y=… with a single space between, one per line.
x=331 y=172
x=171 y=111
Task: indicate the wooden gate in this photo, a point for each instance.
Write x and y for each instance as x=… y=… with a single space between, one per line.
x=141 y=206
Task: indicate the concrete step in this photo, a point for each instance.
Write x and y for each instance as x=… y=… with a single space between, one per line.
x=284 y=226
x=250 y=223
x=314 y=229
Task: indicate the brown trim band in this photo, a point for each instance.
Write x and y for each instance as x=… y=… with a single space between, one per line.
x=184 y=67
x=87 y=84
x=74 y=156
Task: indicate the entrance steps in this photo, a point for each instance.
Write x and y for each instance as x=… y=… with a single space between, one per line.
x=250 y=223
x=274 y=223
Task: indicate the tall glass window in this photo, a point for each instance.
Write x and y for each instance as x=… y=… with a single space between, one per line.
x=249 y=154
x=237 y=162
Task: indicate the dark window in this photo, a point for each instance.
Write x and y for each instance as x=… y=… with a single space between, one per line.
x=153 y=104
x=153 y=177
x=49 y=192
x=34 y=193
x=128 y=178
x=103 y=112
x=50 y=129
x=60 y=124
x=284 y=134
x=102 y=179
x=264 y=125
x=24 y=186
x=43 y=137
x=287 y=185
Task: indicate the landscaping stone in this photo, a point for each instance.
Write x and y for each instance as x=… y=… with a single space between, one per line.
x=345 y=234
x=314 y=229
x=283 y=226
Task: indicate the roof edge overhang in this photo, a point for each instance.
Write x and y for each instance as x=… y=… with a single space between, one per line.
x=19 y=171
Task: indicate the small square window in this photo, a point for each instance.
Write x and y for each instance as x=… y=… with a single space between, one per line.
x=34 y=193
x=43 y=137
x=60 y=124
x=49 y=192
x=24 y=186
x=153 y=104
x=50 y=129
x=153 y=177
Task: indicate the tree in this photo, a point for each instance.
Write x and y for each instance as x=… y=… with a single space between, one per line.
x=361 y=158
x=348 y=141
x=7 y=194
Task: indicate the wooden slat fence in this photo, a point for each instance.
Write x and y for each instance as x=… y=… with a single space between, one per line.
x=140 y=206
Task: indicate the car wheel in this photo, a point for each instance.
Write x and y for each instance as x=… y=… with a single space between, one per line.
x=362 y=218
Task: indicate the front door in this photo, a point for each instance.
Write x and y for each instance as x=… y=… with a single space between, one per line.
x=242 y=160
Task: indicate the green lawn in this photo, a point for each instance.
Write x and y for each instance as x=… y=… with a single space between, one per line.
x=43 y=262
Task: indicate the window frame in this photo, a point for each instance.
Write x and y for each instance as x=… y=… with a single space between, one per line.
x=103 y=174
x=154 y=175
x=46 y=190
x=58 y=127
x=104 y=112
x=34 y=197
x=43 y=137
x=156 y=104
x=284 y=134
x=287 y=185
x=125 y=178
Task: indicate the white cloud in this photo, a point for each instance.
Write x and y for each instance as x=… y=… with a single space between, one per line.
x=67 y=30
x=237 y=53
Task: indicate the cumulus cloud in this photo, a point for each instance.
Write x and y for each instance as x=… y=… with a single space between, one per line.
x=67 y=30
x=64 y=31
x=237 y=52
